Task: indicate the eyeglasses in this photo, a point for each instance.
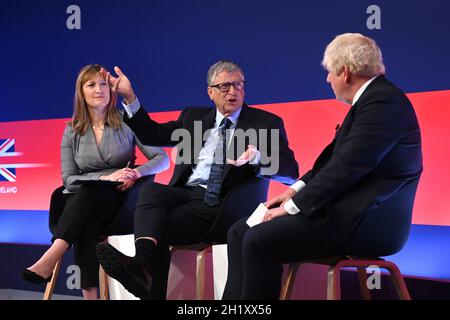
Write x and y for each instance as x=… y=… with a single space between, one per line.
x=225 y=87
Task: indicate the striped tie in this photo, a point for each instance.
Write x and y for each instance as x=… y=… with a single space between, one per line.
x=215 y=175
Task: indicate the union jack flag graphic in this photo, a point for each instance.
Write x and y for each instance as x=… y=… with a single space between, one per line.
x=7 y=173
x=8 y=170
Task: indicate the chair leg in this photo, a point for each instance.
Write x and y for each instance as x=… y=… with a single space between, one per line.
x=200 y=274
x=51 y=285
x=362 y=278
x=397 y=279
x=288 y=284
x=103 y=284
x=334 y=282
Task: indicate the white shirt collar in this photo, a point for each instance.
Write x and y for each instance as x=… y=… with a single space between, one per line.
x=361 y=90
x=233 y=117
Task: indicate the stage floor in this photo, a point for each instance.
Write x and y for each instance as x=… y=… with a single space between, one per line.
x=12 y=294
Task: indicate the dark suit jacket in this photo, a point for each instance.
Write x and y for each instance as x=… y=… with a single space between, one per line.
x=152 y=133
x=375 y=153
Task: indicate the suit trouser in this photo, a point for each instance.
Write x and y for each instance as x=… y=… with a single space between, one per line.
x=256 y=255
x=85 y=215
x=173 y=216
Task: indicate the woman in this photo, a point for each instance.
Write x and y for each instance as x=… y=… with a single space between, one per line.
x=96 y=145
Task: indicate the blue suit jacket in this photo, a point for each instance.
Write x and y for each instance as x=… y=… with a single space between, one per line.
x=376 y=152
x=153 y=133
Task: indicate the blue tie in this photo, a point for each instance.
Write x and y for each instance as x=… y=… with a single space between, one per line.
x=215 y=175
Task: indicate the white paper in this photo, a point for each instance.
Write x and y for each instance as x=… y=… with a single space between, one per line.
x=257 y=215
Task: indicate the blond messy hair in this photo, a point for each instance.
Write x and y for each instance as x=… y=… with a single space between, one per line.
x=359 y=53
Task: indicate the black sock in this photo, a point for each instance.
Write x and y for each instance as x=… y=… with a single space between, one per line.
x=145 y=251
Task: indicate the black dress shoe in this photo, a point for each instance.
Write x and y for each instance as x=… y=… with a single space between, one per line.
x=133 y=276
x=33 y=277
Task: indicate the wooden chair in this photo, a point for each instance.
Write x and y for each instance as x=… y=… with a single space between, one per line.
x=383 y=231
x=333 y=282
x=238 y=203
x=122 y=224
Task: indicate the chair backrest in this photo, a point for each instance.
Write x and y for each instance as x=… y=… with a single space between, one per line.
x=384 y=230
x=123 y=222
x=57 y=204
x=240 y=202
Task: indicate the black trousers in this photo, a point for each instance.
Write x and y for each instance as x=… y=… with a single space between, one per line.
x=256 y=255
x=174 y=216
x=80 y=219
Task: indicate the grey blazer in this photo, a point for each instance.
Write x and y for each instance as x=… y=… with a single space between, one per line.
x=81 y=159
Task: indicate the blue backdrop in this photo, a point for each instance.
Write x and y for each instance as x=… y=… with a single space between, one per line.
x=166 y=47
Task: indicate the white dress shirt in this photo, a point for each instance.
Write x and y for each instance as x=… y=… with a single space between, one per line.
x=200 y=172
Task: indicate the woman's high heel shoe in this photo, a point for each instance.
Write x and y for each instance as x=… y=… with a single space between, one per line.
x=33 y=277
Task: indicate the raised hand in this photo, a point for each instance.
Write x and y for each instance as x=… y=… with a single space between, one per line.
x=247 y=156
x=120 y=84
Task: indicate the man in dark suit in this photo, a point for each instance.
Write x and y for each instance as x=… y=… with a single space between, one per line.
x=357 y=177
x=183 y=211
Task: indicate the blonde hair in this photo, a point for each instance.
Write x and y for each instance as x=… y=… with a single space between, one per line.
x=80 y=118
x=359 y=53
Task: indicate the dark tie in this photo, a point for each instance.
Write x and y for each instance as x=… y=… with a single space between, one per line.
x=215 y=175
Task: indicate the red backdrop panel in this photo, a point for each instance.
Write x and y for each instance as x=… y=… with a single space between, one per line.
x=310 y=126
